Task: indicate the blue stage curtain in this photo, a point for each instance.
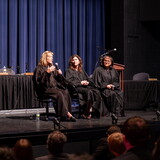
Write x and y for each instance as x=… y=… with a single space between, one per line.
x=65 y=27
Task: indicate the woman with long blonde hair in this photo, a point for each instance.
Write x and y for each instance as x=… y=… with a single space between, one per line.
x=47 y=82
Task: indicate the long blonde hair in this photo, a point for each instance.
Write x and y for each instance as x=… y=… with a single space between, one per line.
x=43 y=60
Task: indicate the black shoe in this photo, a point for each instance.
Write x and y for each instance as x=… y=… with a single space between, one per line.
x=72 y=119
x=114 y=118
x=158 y=114
x=66 y=119
x=56 y=122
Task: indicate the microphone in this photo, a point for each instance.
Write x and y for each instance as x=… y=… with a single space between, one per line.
x=56 y=65
x=113 y=50
x=109 y=51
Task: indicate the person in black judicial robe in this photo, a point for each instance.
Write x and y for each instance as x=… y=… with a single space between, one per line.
x=89 y=96
x=107 y=79
x=48 y=82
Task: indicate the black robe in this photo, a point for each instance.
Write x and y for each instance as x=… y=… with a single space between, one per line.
x=85 y=93
x=113 y=99
x=50 y=85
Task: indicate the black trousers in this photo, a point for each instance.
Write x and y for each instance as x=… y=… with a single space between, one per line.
x=63 y=100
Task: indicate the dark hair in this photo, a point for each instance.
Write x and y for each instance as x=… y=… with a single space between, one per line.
x=116 y=143
x=113 y=129
x=56 y=141
x=136 y=130
x=156 y=150
x=23 y=149
x=71 y=64
x=6 y=154
x=102 y=61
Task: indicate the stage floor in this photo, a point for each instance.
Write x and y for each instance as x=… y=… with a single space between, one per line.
x=82 y=135
x=19 y=121
x=15 y=124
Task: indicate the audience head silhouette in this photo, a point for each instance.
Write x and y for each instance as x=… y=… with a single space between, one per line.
x=6 y=154
x=23 y=150
x=116 y=143
x=156 y=150
x=136 y=130
x=113 y=129
x=55 y=142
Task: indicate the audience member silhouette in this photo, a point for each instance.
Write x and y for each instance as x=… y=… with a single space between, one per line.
x=23 y=150
x=81 y=156
x=156 y=150
x=6 y=154
x=116 y=143
x=102 y=151
x=55 y=143
x=136 y=137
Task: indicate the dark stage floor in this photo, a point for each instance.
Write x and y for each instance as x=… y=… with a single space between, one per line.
x=18 y=124
x=83 y=133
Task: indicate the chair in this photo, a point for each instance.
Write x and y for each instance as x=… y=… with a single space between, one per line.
x=141 y=76
x=75 y=105
x=45 y=103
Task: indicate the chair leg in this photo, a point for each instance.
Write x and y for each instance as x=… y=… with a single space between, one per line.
x=47 y=112
x=80 y=111
x=56 y=109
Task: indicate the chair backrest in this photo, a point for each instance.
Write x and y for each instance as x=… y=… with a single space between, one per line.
x=120 y=69
x=141 y=76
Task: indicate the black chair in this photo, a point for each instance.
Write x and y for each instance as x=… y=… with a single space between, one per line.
x=141 y=76
x=44 y=102
x=75 y=105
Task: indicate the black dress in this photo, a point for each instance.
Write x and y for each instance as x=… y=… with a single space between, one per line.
x=49 y=85
x=113 y=99
x=86 y=93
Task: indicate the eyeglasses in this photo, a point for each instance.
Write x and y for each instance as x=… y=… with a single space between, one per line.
x=107 y=60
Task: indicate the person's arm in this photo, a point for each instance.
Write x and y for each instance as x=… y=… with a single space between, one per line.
x=98 y=78
x=41 y=75
x=72 y=78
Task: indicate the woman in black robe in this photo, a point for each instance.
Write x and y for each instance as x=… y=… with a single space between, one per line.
x=88 y=95
x=107 y=79
x=47 y=83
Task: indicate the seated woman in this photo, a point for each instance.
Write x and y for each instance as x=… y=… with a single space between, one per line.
x=46 y=82
x=88 y=95
x=107 y=79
